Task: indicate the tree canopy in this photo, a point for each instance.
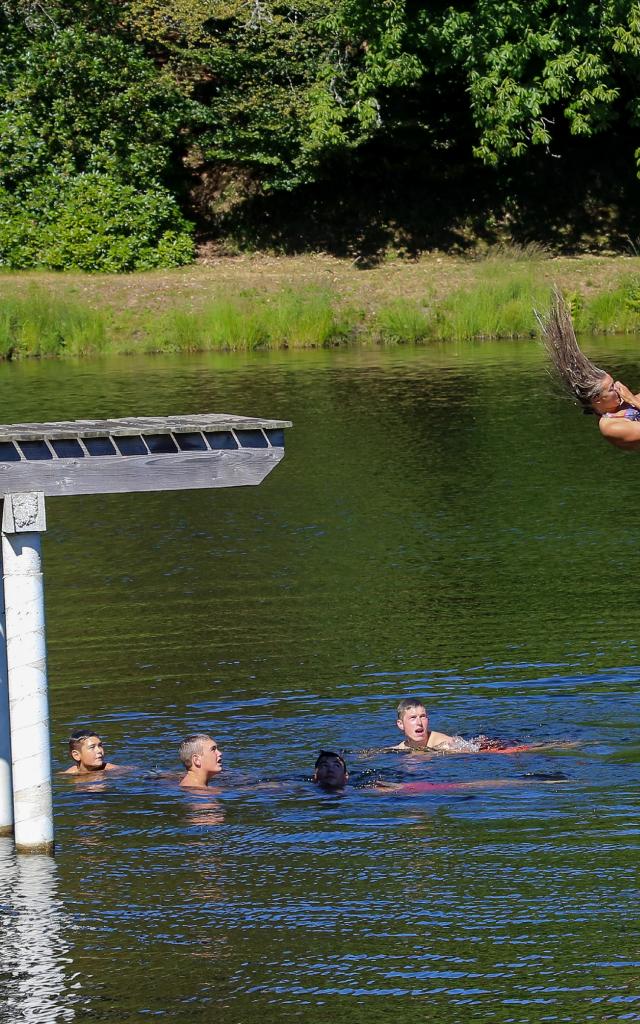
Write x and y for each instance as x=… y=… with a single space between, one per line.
x=125 y=124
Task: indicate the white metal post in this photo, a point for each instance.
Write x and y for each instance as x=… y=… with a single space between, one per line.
x=23 y=520
x=6 y=784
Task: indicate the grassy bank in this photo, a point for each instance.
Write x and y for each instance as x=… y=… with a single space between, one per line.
x=267 y=302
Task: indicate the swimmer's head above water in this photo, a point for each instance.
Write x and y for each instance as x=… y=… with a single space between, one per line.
x=86 y=750
x=330 y=770
x=202 y=757
x=412 y=720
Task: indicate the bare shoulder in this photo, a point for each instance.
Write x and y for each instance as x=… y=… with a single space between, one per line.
x=439 y=739
x=620 y=431
x=189 y=782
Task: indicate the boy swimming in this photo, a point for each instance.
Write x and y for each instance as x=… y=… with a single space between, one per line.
x=86 y=750
x=331 y=774
x=202 y=757
x=330 y=770
x=413 y=721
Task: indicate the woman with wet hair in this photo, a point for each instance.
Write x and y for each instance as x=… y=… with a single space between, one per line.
x=617 y=408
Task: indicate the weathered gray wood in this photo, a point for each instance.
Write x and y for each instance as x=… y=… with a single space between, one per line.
x=104 y=474
x=211 y=422
x=119 y=474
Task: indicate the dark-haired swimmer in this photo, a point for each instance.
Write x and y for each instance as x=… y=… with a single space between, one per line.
x=331 y=774
x=86 y=750
x=330 y=771
x=615 y=405
x=202 y=758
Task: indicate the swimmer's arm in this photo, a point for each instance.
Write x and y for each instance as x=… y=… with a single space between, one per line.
x=417 y=787
x=486 y=783
x=621 y=432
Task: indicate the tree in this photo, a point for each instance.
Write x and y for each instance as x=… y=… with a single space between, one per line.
x=85 y=118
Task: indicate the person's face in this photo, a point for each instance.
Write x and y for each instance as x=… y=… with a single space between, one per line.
x=90 y=757
x=415 y=724
x=331 y=773
x=609 y=399
x=211 y=757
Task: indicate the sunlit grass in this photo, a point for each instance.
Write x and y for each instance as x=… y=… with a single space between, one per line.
x=614 y=311
x=491 y=298
x=403 y=321
x=252 y=320
x=501 y=305
x=38 y=323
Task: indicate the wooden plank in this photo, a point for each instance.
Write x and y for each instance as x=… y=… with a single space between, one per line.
x=246 y=467
x=211 y=422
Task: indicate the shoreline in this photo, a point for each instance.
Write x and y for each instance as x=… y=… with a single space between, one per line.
x=258 y=302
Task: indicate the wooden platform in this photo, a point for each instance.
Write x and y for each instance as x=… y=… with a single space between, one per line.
x=146 y=453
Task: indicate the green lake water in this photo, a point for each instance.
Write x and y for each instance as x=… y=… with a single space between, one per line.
x=443 y=524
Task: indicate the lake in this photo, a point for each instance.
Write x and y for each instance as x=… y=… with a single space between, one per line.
x=443 y=524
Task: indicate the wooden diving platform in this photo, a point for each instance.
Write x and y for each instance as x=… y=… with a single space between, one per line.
x=144 y=453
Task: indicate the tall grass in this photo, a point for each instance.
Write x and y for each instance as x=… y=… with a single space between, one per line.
x=51 y=319
x=41 y=324
x=500 y=305
x=403 y=321
x=614 y=311
x=292 y=318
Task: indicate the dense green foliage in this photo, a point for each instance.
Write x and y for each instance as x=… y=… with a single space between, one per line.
x=124 y=123
x=88 y=128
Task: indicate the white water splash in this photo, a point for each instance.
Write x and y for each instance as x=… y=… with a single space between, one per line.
x=461 y=746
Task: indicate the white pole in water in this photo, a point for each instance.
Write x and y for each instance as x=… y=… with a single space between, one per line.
x=6 y=784
x=23 y=520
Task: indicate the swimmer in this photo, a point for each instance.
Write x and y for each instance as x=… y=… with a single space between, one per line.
x=202 y=758
x=615 y=405
x=86 y=750
x=330 y=771
x=413 y=721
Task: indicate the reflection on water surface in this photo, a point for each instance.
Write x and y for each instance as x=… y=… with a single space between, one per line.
x=439 y=526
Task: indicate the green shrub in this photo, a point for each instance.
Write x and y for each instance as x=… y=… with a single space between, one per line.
x=92 y=222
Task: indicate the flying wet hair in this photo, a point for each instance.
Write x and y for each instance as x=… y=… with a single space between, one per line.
x=78 y=737
x=582 y=378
